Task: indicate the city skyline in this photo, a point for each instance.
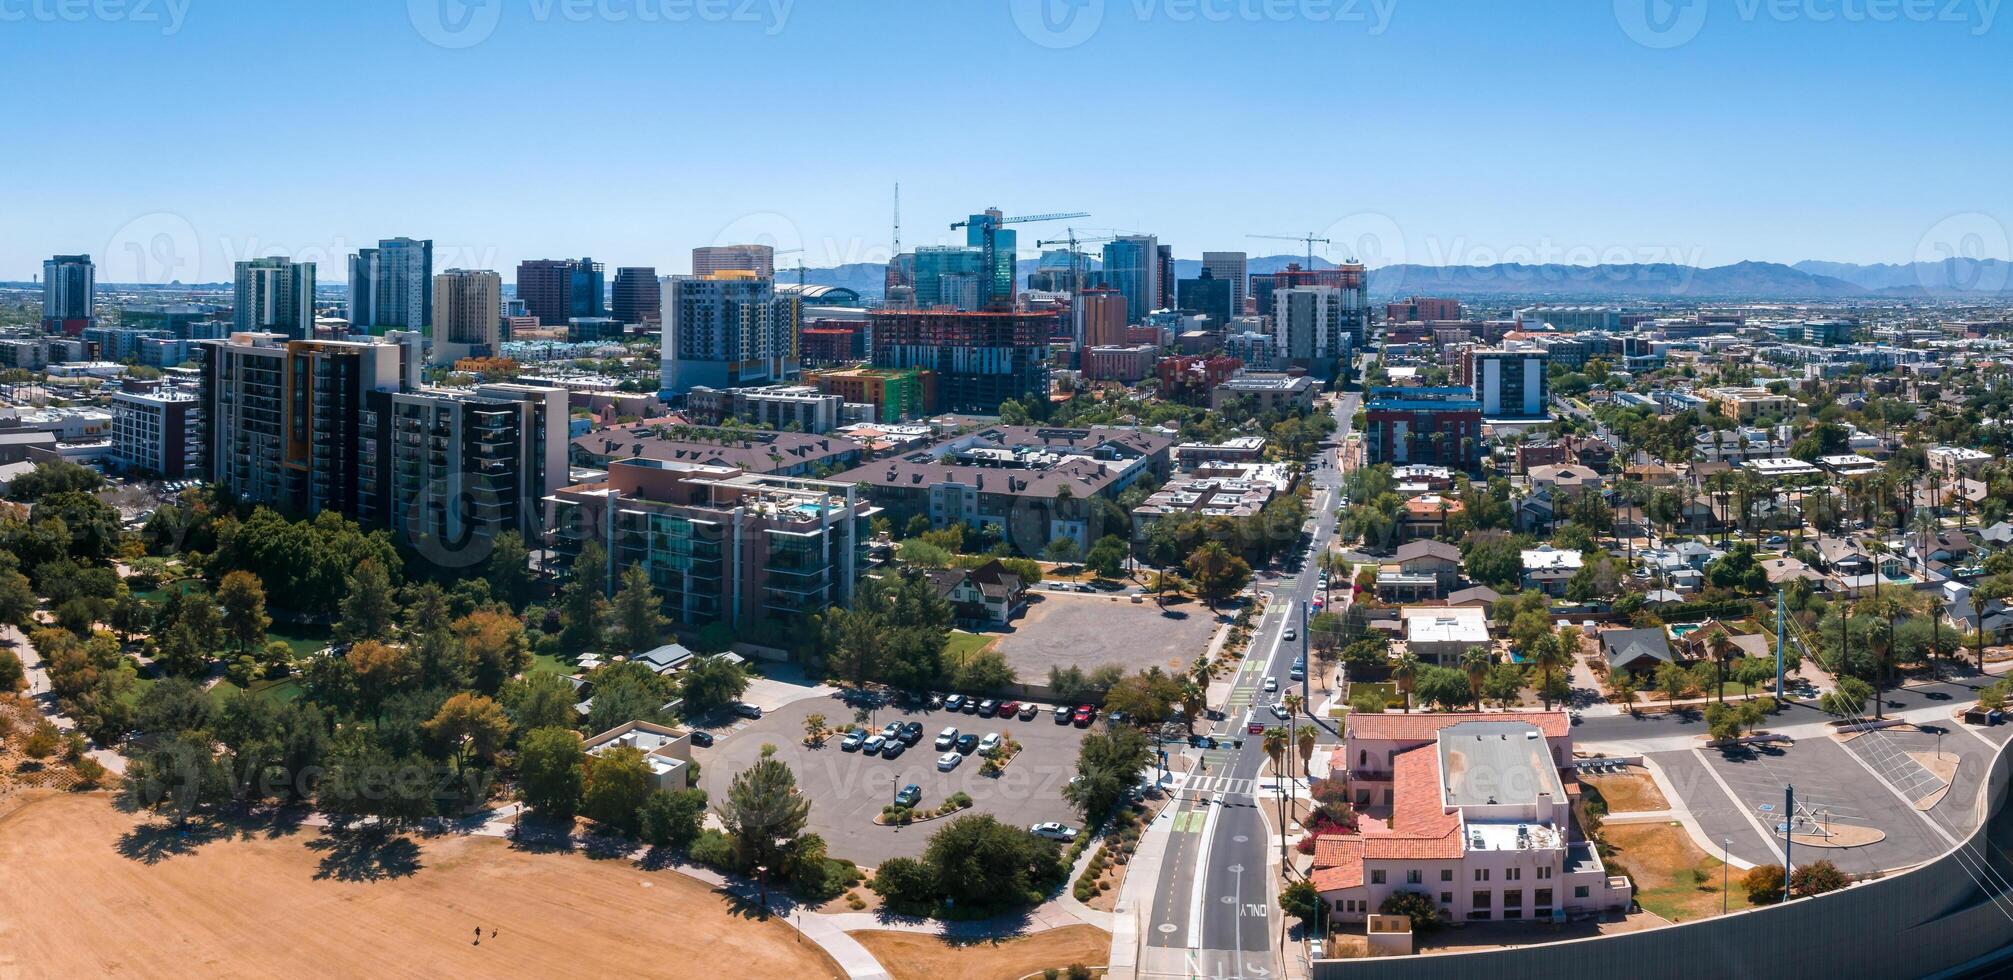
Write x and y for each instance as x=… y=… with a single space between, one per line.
x=1740 y=143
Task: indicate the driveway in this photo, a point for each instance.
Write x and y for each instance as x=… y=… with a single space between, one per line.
x=848 y=789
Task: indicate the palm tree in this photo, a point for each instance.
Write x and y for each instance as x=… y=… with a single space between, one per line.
x=1476 y=663
x=1275 y=749
x=1194 y=701
x=1403 y=672
x=1548 y=655
x=1722 y=649
x=1305 y=738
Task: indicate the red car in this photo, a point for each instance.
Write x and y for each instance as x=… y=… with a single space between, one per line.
x=1009 y=709
x=1084 y=713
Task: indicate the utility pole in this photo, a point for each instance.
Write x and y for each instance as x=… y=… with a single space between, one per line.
x=1788 y=833
x=1778 y=648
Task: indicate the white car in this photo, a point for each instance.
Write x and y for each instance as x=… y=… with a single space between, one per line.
x=989 y=743
x=1271 y=684
x=948 y=761
x=1053 y=831
x=1278 y=711
x=947 y=739
x=874 y=743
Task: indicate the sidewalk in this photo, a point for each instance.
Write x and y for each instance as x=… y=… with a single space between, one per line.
x=45 y=699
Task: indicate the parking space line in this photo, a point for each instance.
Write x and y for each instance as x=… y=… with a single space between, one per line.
x=1745 y=812
x=1906 y=803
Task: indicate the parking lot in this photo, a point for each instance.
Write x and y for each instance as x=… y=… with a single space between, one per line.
x=1063 y=630
x=848 y=789
x=1874 y=781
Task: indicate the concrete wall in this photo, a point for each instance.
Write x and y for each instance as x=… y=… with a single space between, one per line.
x=1939 y=917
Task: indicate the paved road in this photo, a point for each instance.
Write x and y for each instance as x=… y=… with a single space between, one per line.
x=1213 y=910
x=1623 y=728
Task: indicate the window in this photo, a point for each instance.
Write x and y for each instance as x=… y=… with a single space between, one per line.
x=1446 y=874
x=1446 y=898
x=1513 y=874
x=1579 y=891
x=1543 y=900
x=1479 y=906
x=1362 y=757
x=1544 y=871
x=1412 y=877
x=1513 y=903
x=1481 y=874
x=1377 y=877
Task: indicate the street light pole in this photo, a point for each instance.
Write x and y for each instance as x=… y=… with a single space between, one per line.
x=1725 y=870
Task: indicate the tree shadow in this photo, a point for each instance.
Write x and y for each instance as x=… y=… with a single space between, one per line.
x=152 y=843
x=604 y=847
x=368 y=854
x=538 y=836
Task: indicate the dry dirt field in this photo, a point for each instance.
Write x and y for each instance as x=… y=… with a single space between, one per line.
x=1630 y=792
x=75 y=904
x=1673 y=877
x=911 y=956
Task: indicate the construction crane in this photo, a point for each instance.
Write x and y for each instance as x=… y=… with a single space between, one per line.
x=800 y=266
x=1310 y=238
x=988 y=224
x=1075 y=256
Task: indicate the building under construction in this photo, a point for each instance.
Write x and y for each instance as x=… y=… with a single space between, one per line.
x=980 y=359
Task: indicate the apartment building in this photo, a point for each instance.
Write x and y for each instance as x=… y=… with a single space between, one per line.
x=157 y=431
x=452 y=466
x=720 y=544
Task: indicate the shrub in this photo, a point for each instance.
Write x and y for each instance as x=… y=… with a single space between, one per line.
x=1418 y=906
x=714 y=850
x=1816 y=878
x=43 y=741
x=905 y=881
x=1763 y=883
x=1078 y=971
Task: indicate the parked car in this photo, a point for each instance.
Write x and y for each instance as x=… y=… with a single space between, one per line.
x=1054 y=831
x=1063 y=713
x=873 y=745
x=853 y=740
x=966 y=743
x=946 y=739
x=909 y=796
x=1028 y=710
x=912 y=732
x=746 y=710
x=702 y=739
x=970 y=707
x=948 y=761
x=892 y=749
x=987 y=707
x=1084 y=713
x=1009 y=708
x=989 y=743
x=955 y=702
x=892 y=731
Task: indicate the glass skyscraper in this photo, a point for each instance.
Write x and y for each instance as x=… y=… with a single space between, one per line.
x=1132 y=266
x=935 y=262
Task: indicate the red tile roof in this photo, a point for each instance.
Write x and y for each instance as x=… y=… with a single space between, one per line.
x=1421 y=827
x=1425 y=726
x=1338 y=863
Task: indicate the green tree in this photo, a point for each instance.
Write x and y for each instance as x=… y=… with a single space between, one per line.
x=583 y=600
x=552 y=772
x=1062 y=550
x=368 y=609
x=764 y=812
x=243 y=598
x=176 y=776
x=473 y=724
x=539 y=700
x=618 y=781
x=1108 y=764
x=1405 y=670
x=711 y=682
x=1217 y=573
x=509 y=567
x=981 y=863
x=636 y=625
x=672 y=818
x=1107 y=556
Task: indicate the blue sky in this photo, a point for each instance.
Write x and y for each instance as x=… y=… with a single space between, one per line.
x=1439 y=132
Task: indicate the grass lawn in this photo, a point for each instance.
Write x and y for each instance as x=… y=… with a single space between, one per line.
x=303 y=638
x=1673 y=877
x=1385 y=688
x=965 y=644
x=544 y=663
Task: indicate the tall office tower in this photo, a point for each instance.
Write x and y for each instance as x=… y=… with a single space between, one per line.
x=1307 y=323
x=980 y=359
x=998 y=249
x=638 y=297
x=934 y=262
x=1350 y=278
x=901 y=271
x=68 y=282
x=557 y=290
x=1101 y=314
x=1209 y=296
x=391 y=286
x=1230 y=266
x=467 y=314
x=960 y=290
x=284 y=418
x=273 y=295
x=452 y=465
x=1164 y=277
x=1132 y=266
x=726 y=330
x=758 y=259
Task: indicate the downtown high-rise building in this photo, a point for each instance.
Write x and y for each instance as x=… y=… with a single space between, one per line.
x=391 y=286
x=1232 y=266
x=638 y=298
x=1209 y=296
x=557 y=290
x=758 y=259
x=979 y=359
x=1132 y=266
x=726 y=330
x=998 y=249
x=68 y=285
x=1163 y=277
x=943 y=274
x=467 y=314
x=274 y=295
x=1101 y=316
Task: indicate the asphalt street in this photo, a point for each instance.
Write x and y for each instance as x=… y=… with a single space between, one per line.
x=1215 y=894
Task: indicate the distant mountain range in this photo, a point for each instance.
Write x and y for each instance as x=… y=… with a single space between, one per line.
x=1810 y=280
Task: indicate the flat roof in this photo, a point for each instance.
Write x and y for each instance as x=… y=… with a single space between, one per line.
x=1496 y=762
